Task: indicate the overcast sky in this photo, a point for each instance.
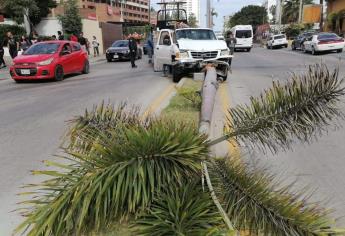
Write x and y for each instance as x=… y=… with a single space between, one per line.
x=223 y=8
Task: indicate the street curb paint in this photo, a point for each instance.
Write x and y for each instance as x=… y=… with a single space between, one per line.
x=165 y=96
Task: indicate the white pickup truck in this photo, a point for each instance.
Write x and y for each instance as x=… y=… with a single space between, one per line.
x=188 y=50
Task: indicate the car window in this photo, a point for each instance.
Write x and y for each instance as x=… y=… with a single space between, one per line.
x=120 y=44
x=42 y=48
x=327 y=36
x=76 y=47
x=196 y=34
x=67 y=47
x=279 y=37
x=243 y=33
x=164 y=35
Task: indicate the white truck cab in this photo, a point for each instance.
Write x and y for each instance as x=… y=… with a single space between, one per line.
x=188 y=50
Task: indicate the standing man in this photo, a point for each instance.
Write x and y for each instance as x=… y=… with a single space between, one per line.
x=150 y=46
x=12 y=44
x=95 y=45
x=231 y=42
x=60 y=36
x=132 y=45
x=82 y=41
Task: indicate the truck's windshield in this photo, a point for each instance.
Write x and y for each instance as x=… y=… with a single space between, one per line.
x=195 y=34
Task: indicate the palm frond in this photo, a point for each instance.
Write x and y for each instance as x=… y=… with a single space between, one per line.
x=301 y=109
x=255 y=201
x=186 y=210
x=117 y=178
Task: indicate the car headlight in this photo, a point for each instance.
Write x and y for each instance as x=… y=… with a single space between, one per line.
x=182 y=54
x=225 y=52
x=46 y=62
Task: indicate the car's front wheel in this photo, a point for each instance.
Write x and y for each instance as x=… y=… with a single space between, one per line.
x=339 y=50
x=176 y=74
x=86 y=69
x=59 y=74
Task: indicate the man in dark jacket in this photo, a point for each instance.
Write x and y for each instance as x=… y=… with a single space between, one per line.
x=12 y=45
x=132 y=45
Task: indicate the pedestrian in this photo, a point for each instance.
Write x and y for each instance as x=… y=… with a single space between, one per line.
x=60 y=36
x=82 y=41
x=12 y=44
x=95 y=45
x=2 y=53
x=34 y=38
x=24 y=43
x=87 y=46
x=231 y=43
x=54 y=37
x=132 y=45
x=150 y=47
x=73 y=38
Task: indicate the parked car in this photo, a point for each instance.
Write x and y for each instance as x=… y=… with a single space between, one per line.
x=50 y=60
x=277 y=41
x=119 y=51
x=297 y=43
x=323 y=42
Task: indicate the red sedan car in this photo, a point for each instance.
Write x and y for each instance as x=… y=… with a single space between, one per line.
x=50 y=60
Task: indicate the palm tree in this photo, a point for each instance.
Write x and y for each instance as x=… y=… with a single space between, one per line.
x=119 y=167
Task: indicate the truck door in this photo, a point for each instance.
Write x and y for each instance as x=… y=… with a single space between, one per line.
x=163 y=51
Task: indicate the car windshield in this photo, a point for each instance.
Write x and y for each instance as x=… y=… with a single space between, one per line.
x=327 y=36
x=42 y=48
x=120 y=44
x=243 y=33
x=279 y=37
x=195 y=34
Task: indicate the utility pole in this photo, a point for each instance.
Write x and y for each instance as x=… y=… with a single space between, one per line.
x=279 y=14
x=300 y=13
x=209 y=14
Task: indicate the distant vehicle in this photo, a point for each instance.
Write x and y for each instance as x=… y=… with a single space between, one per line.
x=244 y=37
x=119 y=50
x=323 y=42
x=277 y=41
x=220 y=37
x=50 y=60
x=297 y=43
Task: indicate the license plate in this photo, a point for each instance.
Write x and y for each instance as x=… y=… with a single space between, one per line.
x=116 y=56
x=25 y=72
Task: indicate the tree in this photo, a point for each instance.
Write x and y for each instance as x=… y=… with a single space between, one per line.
x=71 y=20
x=291 y=10
x=250 y=15
x=37 y=9
x=272 y=11
x=192 y=21
x=121 y=167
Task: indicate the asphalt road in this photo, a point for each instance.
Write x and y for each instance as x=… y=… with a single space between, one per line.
x=33 y=119
x=321 y=165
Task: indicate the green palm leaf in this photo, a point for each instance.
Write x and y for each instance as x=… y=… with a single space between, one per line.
x=116 y=179
x=254 y=201
x=187 y=210
x=300 y=109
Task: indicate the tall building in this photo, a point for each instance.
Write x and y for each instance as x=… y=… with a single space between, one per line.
x=134 y=11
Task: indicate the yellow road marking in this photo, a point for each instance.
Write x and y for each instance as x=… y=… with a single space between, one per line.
x=158 y=101
x=233 y=147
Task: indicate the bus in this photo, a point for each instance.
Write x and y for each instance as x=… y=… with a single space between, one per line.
x=244 y=37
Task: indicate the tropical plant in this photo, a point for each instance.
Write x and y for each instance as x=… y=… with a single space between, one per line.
x=334 y=21
x=119 y=167
x=192 y=21
x=250 y=15
x=291 y=10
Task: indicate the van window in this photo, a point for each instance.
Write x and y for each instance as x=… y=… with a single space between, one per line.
x=243 y=33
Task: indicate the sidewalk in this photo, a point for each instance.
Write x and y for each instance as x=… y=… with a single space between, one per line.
x=5 y=74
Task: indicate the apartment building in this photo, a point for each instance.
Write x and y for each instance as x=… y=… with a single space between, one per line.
x=132 y=11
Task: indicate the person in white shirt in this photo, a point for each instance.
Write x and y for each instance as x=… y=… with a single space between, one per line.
x=95 y=45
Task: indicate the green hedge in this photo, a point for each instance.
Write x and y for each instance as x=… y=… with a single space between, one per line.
x=16 y=30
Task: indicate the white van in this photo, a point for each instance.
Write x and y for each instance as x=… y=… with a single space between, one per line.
x=244 y=36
